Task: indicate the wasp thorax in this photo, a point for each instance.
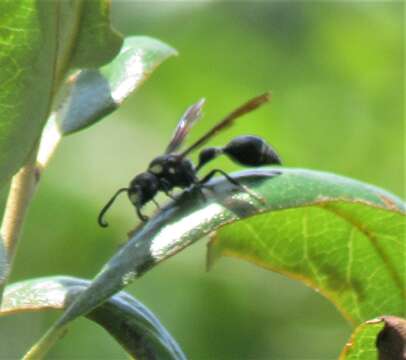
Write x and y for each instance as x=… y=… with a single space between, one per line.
x=162 y=164
x=165 y=165
x=172 y=170
x=156 y=169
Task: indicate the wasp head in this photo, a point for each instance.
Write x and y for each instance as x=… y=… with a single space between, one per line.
x=143 y=188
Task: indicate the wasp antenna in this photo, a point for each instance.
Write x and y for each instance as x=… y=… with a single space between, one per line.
x=100 y=219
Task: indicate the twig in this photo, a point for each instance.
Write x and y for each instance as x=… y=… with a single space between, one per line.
x=22 y=189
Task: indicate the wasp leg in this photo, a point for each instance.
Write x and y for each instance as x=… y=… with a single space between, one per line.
x=232 y=181
x=165 y=187
x=199 y=187
x=141 y=215
x=213 y=172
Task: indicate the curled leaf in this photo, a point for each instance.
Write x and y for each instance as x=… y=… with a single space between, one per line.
x=91 y=94
x=126 y=319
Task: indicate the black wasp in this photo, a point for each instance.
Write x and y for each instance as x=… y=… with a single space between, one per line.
x=173 y=169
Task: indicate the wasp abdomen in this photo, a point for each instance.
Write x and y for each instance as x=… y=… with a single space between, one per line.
x=207 y=155
x=251 y=151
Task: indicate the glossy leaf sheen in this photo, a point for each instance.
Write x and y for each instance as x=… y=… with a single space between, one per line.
x=190 y=218
x=94 y=93
x=40 y=42
x=130 y=322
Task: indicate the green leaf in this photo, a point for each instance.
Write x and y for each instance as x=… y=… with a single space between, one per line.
x=40 y=42
x=271 y=192
x=351 y=251
x=94 y=93
x=97 y=42
x=383 y=338
x=126 y=319
x=361 y=345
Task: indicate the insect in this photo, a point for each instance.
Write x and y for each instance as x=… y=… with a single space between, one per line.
x=174 y=169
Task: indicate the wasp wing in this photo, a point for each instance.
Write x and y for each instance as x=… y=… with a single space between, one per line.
x=185 y=124
x=229 y=119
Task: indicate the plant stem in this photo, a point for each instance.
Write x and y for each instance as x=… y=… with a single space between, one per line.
x=22 y=189
x=23 y=186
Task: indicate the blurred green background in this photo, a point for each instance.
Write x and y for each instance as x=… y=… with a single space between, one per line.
x=336 y=71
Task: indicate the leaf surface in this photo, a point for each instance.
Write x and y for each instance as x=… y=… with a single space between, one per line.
x=269 y=193
x=126 y=319
x=351 y=252
x=93 y=93
x=97 y=43
x=40 y=42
